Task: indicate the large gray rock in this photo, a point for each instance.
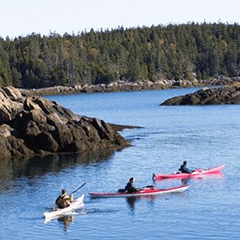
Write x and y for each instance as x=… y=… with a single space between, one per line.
x=13 y=93
x=34 y=125
x=8 y=108
x=206 y=96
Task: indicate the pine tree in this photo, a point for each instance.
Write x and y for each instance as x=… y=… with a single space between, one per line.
x=5 y=72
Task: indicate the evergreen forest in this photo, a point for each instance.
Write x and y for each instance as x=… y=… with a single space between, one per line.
x=185 y=51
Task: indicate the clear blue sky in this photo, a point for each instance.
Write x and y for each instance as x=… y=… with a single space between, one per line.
x=23 y=17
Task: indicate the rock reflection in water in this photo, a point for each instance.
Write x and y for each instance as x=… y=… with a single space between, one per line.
x=13 y=169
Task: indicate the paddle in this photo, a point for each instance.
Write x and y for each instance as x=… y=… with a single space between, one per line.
x=78 y=188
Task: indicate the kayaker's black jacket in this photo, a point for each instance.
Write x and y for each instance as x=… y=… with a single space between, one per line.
x=184 y=169
x=130 y=188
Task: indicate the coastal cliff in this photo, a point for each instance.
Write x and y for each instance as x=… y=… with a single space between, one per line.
x=36 y=126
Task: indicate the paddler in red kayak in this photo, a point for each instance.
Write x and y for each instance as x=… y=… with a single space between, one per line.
x=64 y=200
x=184 y=168
x=130 y=187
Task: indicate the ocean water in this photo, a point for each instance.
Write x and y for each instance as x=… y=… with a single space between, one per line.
x=204 y=136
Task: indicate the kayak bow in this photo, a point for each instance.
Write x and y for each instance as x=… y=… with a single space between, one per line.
x=196 y=173
x=142 y=192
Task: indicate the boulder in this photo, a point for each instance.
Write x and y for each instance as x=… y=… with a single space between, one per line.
x=13 y=93
x=8 y=108
x=46 y=142
x=5 y=147
x=5 y=130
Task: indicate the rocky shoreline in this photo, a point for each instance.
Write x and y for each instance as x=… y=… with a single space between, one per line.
x=229 y=94
x=128 y=86
x=32 y=125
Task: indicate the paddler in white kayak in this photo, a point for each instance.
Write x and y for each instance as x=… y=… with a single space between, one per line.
x=64 y=200
x=184 y=168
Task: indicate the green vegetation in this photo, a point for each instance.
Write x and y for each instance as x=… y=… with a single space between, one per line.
x=171 y=52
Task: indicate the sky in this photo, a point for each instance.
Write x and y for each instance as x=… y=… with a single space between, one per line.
x=24 y=17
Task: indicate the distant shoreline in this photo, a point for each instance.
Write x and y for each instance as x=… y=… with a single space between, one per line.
x=120 y=86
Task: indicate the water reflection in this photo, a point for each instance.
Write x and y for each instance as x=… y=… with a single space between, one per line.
x=14 y=169
x=66 y=221
x=185 y=181
x=131 y=201
x=200 y=177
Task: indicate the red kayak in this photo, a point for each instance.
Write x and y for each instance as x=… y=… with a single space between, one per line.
x=142 y=192
x=196 y=173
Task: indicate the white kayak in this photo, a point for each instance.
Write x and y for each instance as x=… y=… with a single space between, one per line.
x=61 y=211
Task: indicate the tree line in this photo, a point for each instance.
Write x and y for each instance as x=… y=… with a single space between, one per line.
x=185 y=51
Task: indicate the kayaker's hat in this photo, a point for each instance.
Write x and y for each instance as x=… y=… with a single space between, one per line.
x=64 y=191
x=131 y=179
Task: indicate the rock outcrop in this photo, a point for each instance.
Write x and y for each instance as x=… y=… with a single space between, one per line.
x=34 y=125
x=208 y=96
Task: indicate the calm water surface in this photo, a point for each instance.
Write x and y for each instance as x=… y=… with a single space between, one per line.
x=205 y=136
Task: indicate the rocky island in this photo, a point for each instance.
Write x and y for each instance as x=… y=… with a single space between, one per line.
x=36 y=126
x=229 y=94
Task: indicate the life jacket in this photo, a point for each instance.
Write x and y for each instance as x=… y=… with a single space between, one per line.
x=59 y=200
x=62 y=201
